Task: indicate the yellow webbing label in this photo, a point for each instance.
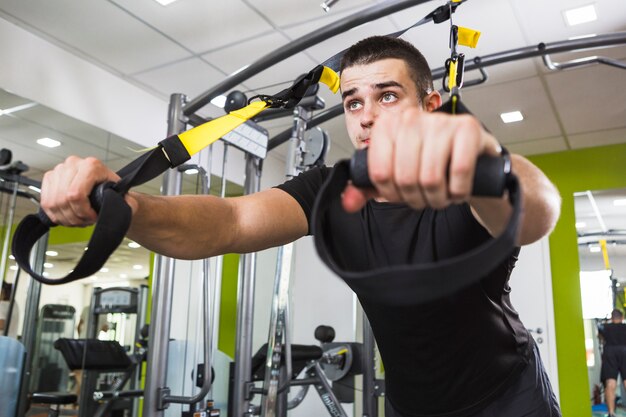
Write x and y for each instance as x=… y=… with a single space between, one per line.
x=605 y=254
x=468 y=37
x=452 y=75
x=196 y=139
x=330 y=78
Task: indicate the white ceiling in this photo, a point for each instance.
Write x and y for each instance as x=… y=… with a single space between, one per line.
x=191 y=45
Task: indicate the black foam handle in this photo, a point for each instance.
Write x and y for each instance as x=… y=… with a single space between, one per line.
x=95 y=198
x=489 y=177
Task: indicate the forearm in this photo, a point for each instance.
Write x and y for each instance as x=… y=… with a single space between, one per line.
x=541 y=204
x=194 y=227
x=183 y=227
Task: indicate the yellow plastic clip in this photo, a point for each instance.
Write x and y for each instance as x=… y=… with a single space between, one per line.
x=452 y=75
x=199 y=137
x=468 y=37
x=330 y=78
x=605 y=254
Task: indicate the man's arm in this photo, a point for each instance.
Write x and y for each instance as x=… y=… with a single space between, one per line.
x=187 y=227
x=541 y=205
x=193 y=227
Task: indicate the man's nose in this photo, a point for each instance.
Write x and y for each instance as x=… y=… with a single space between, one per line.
x=368 y=116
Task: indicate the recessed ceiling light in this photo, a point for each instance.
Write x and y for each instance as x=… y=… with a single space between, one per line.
x=165 y=2
x=137 y=267
x=191 y=171
x=134 y=245
x=512 y=116
x=580 y=15
x=48 y=265
x=123 y=276
x=48 y=142
x=104 y=269
x=619 y=202
x=594 y=248
x=580 y=225
x=52 y=253
x=219 y=101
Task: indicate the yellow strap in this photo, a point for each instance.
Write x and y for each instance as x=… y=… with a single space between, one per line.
x=330 y=78
x=452 y=75
x=194 y=140
x=468 y=37
x=605 y=254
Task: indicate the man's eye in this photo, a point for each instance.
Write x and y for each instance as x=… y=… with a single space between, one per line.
x=388 y=97
x=353 y=105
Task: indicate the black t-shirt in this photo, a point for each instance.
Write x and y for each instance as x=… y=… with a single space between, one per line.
x=614 y=334
x=449 y=357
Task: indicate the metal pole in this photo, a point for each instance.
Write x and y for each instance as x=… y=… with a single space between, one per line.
x=219 y=260
x=370 y=399
x=7 y=233
x=163 y=289
x=245 y=306
x=29 y=332
x=300 y=44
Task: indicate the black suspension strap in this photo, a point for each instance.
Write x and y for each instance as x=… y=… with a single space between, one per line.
x=412 y=284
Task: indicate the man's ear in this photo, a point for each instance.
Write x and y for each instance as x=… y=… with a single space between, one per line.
x=432 y=101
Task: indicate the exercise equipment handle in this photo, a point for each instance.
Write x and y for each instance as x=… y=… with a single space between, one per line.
x=490 y=175
x=95 y=199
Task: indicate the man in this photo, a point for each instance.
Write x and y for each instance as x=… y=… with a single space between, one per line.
x=613 y=336
x=465 y=355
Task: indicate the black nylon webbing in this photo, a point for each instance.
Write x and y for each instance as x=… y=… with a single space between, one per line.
x=412 y=284
x=109 y=231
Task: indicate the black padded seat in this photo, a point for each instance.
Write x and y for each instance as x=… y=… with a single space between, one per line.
x=93 y=354
x=300 y=355
x=54 y=398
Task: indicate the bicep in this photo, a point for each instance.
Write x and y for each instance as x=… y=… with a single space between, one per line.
x=266 y=219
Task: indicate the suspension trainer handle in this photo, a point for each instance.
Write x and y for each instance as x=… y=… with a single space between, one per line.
x=490 y=176
x=96 y=198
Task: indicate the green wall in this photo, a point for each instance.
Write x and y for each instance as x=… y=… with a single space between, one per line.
x=228 y=305
x=571 y=171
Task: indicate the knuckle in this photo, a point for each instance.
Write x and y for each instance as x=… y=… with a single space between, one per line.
x=432 y=181
x=461 y=169
x=405 y=182
x=74 y=196
x=469 y=122
x=379 y=176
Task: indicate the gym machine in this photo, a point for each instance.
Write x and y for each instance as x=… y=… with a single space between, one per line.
x=49 y=372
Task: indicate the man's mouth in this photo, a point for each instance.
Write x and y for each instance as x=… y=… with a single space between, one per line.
x=366 y=141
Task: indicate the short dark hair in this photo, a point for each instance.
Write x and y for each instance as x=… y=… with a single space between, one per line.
x=376 y=48
x=617 y=314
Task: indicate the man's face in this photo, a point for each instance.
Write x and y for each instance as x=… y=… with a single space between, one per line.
x=369 y=90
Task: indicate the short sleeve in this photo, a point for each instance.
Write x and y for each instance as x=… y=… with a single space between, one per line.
x=305 y=187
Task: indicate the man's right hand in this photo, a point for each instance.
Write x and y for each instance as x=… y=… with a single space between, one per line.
x=65 y=190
